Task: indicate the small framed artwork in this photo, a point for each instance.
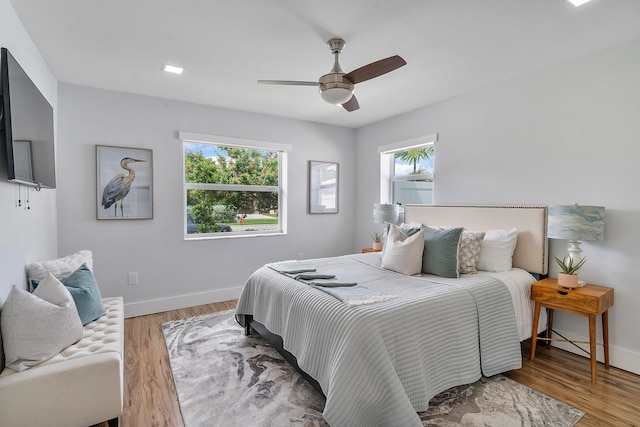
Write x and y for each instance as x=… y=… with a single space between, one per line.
x=323 y=187
x=124 y=178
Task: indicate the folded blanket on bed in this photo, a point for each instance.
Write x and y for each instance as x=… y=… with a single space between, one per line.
x=290 y=267
x=298 y=271
x=345 y=290
x=313 y=276
x=329 y=283
x=355 y=295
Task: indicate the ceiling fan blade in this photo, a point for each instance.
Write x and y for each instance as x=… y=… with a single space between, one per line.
x=351 y=105
x=375 y=69
x=287 y=82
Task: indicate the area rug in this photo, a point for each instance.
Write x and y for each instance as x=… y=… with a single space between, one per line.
x=224 y=378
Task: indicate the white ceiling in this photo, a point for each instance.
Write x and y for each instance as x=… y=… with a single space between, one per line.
x=451 y=47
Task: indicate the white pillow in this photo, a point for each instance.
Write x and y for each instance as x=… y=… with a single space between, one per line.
x=497 y=250
x=403 y=254
x=37 y=326
x=61 y=268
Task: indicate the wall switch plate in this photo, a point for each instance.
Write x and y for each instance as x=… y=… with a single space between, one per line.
x=132 y=278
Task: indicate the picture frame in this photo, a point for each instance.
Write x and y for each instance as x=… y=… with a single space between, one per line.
x=324 y=185
x=124 y=183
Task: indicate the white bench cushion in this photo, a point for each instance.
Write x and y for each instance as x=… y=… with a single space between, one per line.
x=80 y=386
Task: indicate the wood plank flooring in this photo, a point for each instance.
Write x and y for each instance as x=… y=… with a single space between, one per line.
x=151 y=401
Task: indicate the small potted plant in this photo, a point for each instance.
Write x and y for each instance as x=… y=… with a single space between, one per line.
x=568 y=277
x=377 y=240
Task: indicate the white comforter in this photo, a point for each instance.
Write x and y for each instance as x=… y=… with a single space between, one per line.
x=519 y=284
x=380 y=363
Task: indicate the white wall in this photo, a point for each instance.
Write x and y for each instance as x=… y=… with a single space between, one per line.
x=172 y=272
x=568 y=133
x=27 y=235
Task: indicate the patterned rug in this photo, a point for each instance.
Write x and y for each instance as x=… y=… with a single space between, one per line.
x=225 y=378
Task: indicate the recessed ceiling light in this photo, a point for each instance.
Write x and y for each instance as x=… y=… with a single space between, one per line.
x=577 y=3
x=172 y=69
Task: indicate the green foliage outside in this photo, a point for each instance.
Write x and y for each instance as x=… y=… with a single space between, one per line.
x=414 y=155
x=207 y=217
x=234 y=166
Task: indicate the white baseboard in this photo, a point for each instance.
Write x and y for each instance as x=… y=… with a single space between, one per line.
x=181 y=301
x=619 y=357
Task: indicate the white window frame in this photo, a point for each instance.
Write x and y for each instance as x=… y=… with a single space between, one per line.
x=387 y=164
x=227 y=141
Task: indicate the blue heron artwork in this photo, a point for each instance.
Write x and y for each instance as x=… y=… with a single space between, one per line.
x=127 y=173
x=119 y=186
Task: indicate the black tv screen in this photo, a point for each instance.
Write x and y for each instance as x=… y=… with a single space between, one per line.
x=26 y=127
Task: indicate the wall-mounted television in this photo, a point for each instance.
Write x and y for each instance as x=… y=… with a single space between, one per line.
x=26 y=127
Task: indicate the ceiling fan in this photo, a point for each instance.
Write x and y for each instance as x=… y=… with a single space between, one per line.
x=336 y=87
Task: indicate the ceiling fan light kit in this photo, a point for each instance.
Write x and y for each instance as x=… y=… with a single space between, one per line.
x=336 y=87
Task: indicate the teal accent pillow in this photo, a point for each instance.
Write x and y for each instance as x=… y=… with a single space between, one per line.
x=440 y=256
x=85 y=292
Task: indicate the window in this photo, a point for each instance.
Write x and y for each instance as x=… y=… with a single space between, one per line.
x=233 y=187
x=406 y=171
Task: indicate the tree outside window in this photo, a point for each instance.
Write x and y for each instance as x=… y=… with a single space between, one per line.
x=420 y=159
x=412 y=180
x=231 y=189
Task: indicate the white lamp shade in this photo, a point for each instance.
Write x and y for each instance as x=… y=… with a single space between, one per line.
x=385 y=212
x=576 y=222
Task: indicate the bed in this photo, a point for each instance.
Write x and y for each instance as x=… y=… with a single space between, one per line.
x=380 y=350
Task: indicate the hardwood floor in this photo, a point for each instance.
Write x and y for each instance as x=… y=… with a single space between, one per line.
x=151 y=401
x=150 y=398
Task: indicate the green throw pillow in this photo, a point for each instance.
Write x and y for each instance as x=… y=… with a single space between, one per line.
x=85 y=292
x=440 y=256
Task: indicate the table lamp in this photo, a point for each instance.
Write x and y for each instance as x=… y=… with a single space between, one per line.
x=576 y=223
x=385 y=213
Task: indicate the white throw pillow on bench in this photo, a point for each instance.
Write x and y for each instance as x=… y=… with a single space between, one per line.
x=61 y=268
x=37 y=326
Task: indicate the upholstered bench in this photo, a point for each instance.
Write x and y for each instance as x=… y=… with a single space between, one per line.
x=79 y=387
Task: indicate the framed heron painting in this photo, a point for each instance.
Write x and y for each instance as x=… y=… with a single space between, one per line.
x=124 y=178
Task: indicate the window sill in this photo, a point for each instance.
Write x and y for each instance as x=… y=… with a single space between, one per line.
x=220 y=236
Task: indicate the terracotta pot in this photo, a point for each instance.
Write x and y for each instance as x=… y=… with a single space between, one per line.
x=568 y=280
x=377 y=246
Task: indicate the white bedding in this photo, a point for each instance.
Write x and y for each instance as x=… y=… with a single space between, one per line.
x=517 y=281
x=519 y=284
x=380 y=363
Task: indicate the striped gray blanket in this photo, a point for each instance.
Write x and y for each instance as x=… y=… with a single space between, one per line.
x=378 y=364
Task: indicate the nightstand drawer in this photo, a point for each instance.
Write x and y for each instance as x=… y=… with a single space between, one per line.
x=590 y=299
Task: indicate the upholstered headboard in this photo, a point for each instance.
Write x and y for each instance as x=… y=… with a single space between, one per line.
x=531 y=253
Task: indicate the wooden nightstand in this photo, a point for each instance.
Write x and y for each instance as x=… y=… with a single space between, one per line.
x=589 y=300
x=367 y=250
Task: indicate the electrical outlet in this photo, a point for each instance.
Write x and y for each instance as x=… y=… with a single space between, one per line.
x=133 y=278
